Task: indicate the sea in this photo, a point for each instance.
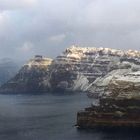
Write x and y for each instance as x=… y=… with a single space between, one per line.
x=51 y=117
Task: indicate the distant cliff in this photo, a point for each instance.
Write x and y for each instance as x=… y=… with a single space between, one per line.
x=30 y=77
x=8 y=68
x=76 y=69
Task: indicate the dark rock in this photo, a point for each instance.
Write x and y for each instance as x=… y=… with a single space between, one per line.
x=114 y=115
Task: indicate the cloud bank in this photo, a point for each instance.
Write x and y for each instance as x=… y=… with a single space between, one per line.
x=29 y=27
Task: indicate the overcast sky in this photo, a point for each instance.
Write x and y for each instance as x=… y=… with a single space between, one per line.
x=47 y=27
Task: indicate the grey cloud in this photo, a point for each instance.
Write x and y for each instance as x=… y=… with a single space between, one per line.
x=17 y=4
x=29 y=27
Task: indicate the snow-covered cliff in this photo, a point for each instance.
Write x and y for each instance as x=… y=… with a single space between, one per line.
x=76 y=69
x=79 y=67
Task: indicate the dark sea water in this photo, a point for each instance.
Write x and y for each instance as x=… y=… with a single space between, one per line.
x=50 y=117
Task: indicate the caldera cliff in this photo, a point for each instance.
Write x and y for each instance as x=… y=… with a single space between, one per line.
x=76 y=69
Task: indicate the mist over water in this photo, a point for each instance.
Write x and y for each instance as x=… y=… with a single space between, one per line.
x=50 y=117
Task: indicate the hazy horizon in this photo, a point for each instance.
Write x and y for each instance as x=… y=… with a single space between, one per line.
x=30 y=27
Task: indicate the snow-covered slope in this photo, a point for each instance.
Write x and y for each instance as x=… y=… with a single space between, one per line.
x=125 y=86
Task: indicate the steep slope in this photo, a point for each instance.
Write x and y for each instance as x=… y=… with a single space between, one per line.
x=100 y=85
x=30 y=77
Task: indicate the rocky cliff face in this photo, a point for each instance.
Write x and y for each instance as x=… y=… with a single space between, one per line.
x=119 y=106
x=76 y=69
x=30 y=78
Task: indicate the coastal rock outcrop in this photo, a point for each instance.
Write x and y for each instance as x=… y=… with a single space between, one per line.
x=119 y=106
